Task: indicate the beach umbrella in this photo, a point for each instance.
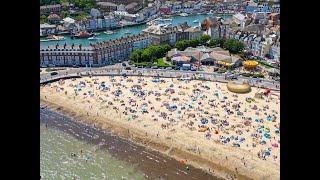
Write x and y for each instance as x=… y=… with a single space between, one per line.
x=267 y=152
x=263 y=142
x=276 y=131
x=214 y=121
x=267 y=136
x=275 y=145
x=236 y=145
x=143 y=109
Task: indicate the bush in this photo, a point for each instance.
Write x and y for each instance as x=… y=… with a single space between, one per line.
x=51 y=69
x=260 y=75
x=221 y=70
x=246 y=74
x=160 y=62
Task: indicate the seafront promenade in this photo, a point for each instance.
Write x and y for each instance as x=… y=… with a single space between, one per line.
x=104 y=71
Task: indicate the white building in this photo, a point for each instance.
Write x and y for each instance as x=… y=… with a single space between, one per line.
x=240 y=19
x=275 y=52
x=172 y=38
x=95 y=13
x=194 y=32
x=258 y=15
x=120 y=13
x=121 y=7
x=141 y=43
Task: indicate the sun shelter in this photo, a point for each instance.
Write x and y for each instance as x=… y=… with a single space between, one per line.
x=273 y=71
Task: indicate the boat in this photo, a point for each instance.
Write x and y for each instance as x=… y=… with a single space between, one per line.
x=93 y=38
x=127 y=32
x=59 y=38
x=196 y=21
x=183 y=14
x=210 y=12
x=109 y=32
x=82 y=34
x=55 y=38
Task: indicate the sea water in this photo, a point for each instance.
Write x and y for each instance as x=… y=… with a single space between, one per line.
x=56 y=161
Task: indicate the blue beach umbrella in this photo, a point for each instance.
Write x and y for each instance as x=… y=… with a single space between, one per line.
x=236 y=145
x=267 y=152
x=267 y=136
x=263 y=142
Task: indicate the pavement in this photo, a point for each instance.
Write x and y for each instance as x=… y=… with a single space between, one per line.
x=118 y=69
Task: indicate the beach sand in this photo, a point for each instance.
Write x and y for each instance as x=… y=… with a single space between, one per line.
x=179 y=138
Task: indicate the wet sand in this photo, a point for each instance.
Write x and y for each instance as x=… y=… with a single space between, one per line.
x=152 y=163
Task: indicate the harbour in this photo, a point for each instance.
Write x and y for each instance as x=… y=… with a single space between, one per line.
x=121 y=32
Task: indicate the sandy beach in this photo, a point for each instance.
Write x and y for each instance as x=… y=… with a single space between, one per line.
x=195 y=122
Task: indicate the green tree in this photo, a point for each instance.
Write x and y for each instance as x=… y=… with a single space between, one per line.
x=164 y=49
x=217 y=42
x=155 y=51
x=180 y=45
x=136 y=55
x=233 y=45
x=204 y=38
x=194 y=42
x=145 y=3
x=244 y=55
x=146 y=55
x=43 y=19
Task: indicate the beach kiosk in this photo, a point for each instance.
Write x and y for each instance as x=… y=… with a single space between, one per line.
x=239 y=86
x=249 y=64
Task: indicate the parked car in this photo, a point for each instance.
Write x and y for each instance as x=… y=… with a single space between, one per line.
x=148 y=67
x=140 y=67
x=154 y=67
x=128 y=68
x=276 y=79
x=124 y=64
x=245 y=75
x=75 y=66
x=231 y=76
x=53 y=73
x=177 y=68
x=169 y=68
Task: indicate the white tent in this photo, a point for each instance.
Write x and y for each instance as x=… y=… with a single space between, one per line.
x=274 y=71
x=68 y=20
